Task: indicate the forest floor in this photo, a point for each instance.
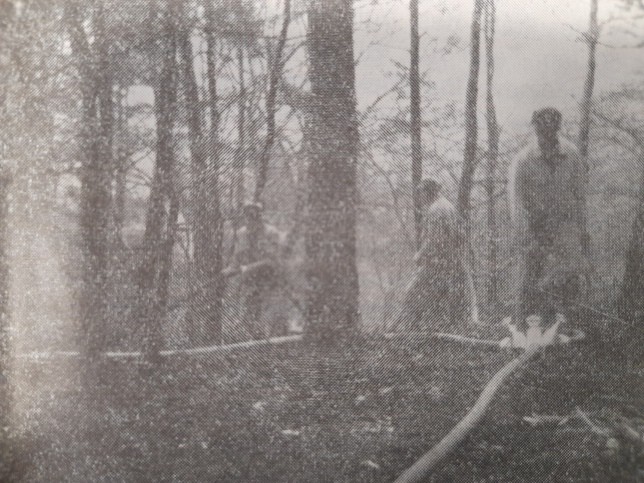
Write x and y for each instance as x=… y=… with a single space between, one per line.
x=296 y=412
x=293 y=413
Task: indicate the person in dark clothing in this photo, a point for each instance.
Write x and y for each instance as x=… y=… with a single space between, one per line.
x=258 y=259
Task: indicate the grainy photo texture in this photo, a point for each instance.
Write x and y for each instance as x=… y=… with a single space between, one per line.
x=321 y=241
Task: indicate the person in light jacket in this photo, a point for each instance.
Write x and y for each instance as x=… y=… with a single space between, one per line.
x=548 y=209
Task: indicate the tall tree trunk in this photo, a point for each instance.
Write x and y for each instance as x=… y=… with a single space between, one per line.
x=240 y=154
x=592 y=37
x=492 y=156
x=105 y=177
x=167 y=248
x=415 y=121
x=198 y=171
x=332 y=294
x=205 y=309
x=121 y=166
x=275 y=74
x=214 y=290
x=471 y=96
x=95 y=176
x=301 y=189
x=152 y=307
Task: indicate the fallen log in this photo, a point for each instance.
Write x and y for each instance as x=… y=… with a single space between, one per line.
x=422 y=468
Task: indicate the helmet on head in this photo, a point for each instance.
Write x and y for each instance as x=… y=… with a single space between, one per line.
x=548 y=119
x=429 y=186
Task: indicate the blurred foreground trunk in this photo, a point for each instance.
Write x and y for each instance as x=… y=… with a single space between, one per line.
x=332 y=310
x=204 y=311
x=96 y=136
x=162 y=204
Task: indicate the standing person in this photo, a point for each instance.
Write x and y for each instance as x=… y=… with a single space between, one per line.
x=258 y=259
x=437 y=289
x=547 y=190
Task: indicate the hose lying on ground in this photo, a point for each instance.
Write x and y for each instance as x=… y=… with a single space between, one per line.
x=576 y=335
x=422 y=468
x=213 y=349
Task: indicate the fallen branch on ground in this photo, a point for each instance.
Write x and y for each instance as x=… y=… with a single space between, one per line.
x=619 y=427
x=420 y=470
x=593 y=427
x=545 y=419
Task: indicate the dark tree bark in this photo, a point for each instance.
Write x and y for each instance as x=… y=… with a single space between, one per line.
x=165 y=263
x=332 y=293
x=415 y=122
x=492 y=156
x=213 y=252
x=240 y=153
x=121 y=168
x=471 y=96
x=592 y=37
x=275 y=74
x=95 y=176
x=198 y=171
x=205 y=309
x=157 y=230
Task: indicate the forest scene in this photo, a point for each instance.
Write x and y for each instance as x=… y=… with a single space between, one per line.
x=322 y=240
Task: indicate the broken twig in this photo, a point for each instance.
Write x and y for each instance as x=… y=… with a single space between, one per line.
x=594 y=428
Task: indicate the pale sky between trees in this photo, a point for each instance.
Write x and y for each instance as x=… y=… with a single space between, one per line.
x=539 y=59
